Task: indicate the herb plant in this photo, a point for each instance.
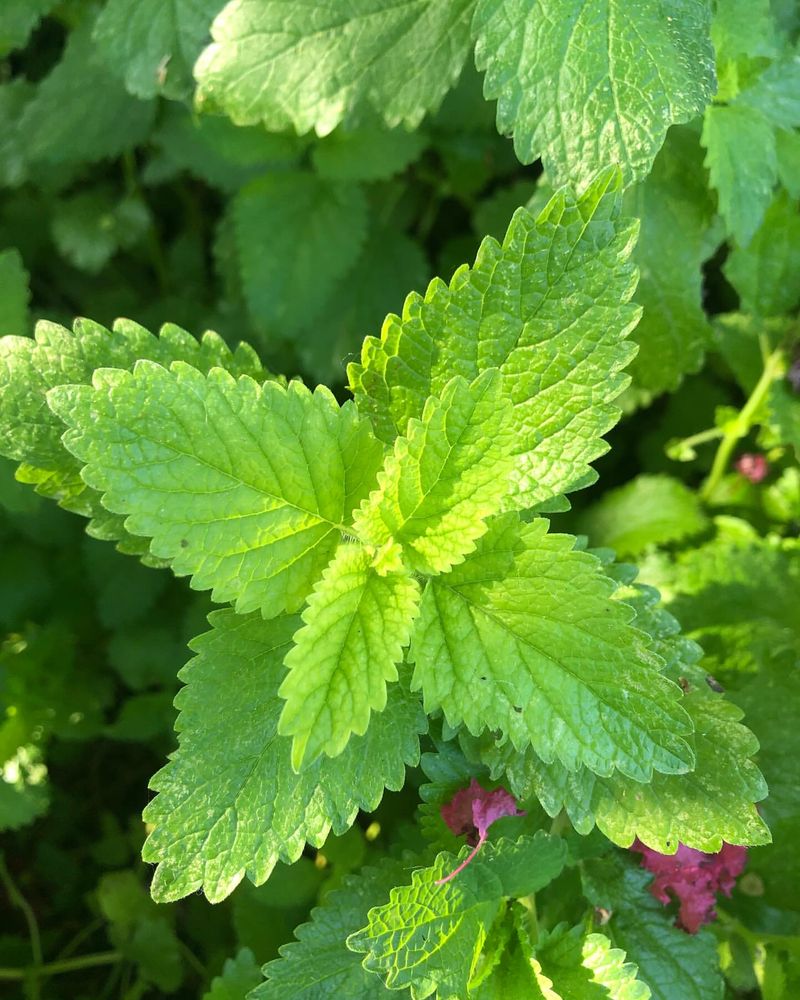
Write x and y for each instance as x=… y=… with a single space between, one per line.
x=470 y=722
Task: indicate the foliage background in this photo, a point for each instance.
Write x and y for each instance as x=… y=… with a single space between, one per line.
x=121 y=198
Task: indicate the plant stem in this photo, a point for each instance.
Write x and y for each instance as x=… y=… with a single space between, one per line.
x=529 y=902
x=741 y=426
x=68 y=965
x=18 y=900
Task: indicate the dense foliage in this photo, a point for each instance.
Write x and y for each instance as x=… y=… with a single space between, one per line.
x=493 y=688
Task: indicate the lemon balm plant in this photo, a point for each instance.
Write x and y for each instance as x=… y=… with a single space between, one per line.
x=406 y=600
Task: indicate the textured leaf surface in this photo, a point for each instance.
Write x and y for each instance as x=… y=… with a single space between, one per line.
x=429 y=936
x=357 y=624
x=586 y=967
x=649 y=510
x=287 y=276
x=676 y=213
x=766 y=273
x=319 y=966
x=239 y=976
x=229 y=803
x=31 y=433
x=587 y=85
x=523 y=637
x=14 y=293
x=153 y=44
x=742 y=164
x=445 y=477
x=549 y=308
x=81 y=97
x=220 y=474
x=311 y=65
x=672 y=963
x=712 y=804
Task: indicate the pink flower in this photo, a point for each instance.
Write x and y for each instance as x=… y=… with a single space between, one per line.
x=471 y=812
x=693 y=878
x=753 y=467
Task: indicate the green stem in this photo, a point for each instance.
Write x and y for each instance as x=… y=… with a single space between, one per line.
x=18 y=900
x=701 y=438
x=68 y=965
x=741 y=426
x=529 y=902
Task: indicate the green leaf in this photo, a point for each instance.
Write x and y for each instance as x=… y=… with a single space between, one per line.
x=429 y=936
x=139 y=930
x=743 y=28
x=356 y=625
x=742 y=163
x=219 y=474
x=298 y=63
x=14 y=97
x=389 y=264
x=215 y=150
x=586 y=967
x=31 y=433
x=712 y=804
x=445 y=477
x=316 y=228
x=366 y=154
x=152 y=44
x=784 y=415
x=549 y=308
x=24 y=792
x=90 y=227
x=739 y=600
x=788 y=148
x=584 y=88
x=81 y=112
x=523 y=637
x=239 y=975
x=776 y=93
x=676 y=214
x=14 y=293
x=672 y=963
x=318 y=965
x=18 y=18
x=647 y=511
x=229 y=803
x=771 y=702
x=766 y=273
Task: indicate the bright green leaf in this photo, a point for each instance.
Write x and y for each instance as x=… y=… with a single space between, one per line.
x=318 y=965
x=523 y=637
x=229 y=803
x=445 y=477
x=743 y=28
x=549 y=308
x=356 y=625
x=586 y=86
x=309 y=65
x=429 y=936
x=24 y=792
x=586 y=967
x=218 y=473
